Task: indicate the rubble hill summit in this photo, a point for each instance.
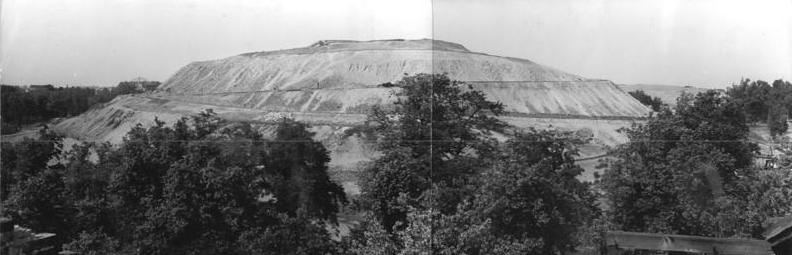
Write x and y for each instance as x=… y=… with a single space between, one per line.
x=352 y=64
x=345 y=76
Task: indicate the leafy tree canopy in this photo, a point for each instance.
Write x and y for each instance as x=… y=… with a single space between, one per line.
x=526 y=201
x=201 y=186
x=687 y=172
x=444 y=186
x=428 y=141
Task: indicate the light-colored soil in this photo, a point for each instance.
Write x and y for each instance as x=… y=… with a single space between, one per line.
x=352 y=64
x=344 y=77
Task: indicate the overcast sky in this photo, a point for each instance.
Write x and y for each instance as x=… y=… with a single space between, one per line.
x=100 y=42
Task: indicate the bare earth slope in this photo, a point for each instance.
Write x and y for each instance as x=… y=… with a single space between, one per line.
x=344 y=77
x=332 y=85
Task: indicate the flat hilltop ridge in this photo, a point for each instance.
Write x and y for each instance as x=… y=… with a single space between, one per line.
x=352 y=45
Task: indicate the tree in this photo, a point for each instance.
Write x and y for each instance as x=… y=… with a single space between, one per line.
x=777 y=120
x=762 y=101
x=150 y=85
x=127 y=87
x=527 y=201
x=29 y=157
x=203 y=185
x=709 y=118
x=32 y=187
x=296 y=168
x=443 y=185
x=753 y=96
x=214 y=190
x=533 y=194
x=25 y=106
x=654 y=102
x=681 y=169
x=427 y=140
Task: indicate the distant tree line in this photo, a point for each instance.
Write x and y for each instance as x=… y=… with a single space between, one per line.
x=37 y=103
x=653 y=102
x=765 y=102
x=759 y=100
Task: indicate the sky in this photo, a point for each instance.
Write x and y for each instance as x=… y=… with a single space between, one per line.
x=102 y=42
x=705 y=43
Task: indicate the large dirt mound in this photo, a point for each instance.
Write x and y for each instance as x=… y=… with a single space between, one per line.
x=332 y=85
x=350 y=64
x=345 y=77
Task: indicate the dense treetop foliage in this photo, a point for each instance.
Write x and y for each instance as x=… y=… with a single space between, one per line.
x=444 y=185
x=202 y=186
x=428 y=140
x=690 y=171
x=36 y=103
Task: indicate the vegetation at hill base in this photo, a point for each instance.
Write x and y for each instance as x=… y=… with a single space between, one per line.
x=38 y=103
x=653 y=102
x=451 y=179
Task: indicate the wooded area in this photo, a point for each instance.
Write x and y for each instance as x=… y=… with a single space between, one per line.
x=40 y=103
